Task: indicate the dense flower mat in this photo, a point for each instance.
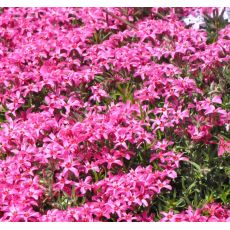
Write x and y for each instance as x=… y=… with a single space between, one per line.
x=114 y=114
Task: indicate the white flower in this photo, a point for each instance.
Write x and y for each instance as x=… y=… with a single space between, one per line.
x=227 y=127
x=196 y=22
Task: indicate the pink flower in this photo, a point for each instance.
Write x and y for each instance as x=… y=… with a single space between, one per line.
x=162 y=184
x=62 y=182
x=112 y=160
x=217 y=99
x=168 y=217
x=224 y=146
x=69 y=166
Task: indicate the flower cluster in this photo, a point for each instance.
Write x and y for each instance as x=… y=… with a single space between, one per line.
x=209 y=213
x=100 y=107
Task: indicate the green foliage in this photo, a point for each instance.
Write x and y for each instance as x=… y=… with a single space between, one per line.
x=99 y=36
x=205 y=178
x=214 y=24
x=2 y=114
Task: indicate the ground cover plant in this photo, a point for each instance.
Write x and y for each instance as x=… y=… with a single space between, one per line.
x=114 y=114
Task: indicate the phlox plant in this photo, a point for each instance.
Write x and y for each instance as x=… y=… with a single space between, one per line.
x=114 y=114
